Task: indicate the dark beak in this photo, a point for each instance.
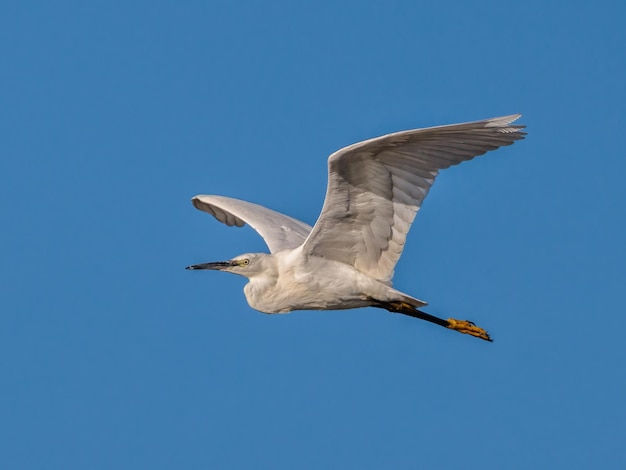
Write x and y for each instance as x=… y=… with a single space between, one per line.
x=215 y=266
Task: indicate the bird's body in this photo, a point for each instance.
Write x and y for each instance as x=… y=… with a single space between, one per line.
x=347 y=259
x=291 y=281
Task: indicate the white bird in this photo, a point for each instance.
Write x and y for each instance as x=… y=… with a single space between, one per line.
x=347 y=260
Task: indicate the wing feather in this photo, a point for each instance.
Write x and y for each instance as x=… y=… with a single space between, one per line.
x=279 y=231
x=376 y=187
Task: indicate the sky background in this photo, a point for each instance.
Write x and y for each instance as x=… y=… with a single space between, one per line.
x=114 y=114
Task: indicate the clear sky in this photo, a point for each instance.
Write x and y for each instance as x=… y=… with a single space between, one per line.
x=114 y=114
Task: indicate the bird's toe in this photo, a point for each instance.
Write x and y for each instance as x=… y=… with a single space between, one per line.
x=468 y=328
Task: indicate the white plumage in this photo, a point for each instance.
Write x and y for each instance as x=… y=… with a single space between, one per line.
x=375 y=189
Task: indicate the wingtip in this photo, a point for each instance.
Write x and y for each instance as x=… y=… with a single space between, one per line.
x=504 y=120
x=515 y=117
x=196 y=201
x=504 y=125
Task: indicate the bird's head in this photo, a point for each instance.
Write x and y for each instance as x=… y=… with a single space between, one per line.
x=246 y=265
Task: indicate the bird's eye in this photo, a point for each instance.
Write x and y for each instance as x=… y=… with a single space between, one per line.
x=245 y=262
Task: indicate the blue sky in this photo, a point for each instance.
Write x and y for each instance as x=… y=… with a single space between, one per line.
x=114 y=114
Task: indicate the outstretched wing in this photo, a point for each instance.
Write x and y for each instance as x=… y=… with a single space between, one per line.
x=376 y=187
x=279 y=231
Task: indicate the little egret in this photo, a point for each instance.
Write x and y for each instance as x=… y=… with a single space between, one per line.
x=347 y=260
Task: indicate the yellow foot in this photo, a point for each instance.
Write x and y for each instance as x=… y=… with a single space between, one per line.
x=467 y=327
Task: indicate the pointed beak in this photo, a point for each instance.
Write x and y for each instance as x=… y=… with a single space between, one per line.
x=218 y=265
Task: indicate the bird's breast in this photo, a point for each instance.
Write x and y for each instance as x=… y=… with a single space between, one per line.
x=320 y=285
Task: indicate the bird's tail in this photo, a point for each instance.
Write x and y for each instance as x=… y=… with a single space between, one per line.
x=412 y=301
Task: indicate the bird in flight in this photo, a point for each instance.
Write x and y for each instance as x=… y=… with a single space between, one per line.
x=347 y=259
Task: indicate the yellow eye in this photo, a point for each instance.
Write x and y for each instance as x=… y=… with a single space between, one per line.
x=245 y=262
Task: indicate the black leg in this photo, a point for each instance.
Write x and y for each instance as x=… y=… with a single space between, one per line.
x=415 y=313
